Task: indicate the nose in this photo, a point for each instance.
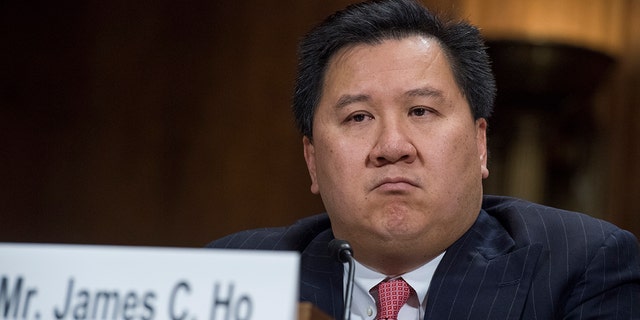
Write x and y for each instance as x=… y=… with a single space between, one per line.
x=393 y=144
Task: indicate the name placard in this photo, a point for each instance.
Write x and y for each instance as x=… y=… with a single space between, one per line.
x=144 y=283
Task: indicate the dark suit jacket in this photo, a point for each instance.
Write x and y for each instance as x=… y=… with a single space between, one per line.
x=518 y=261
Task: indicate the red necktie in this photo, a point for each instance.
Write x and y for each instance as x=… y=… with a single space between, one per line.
x=392 y=295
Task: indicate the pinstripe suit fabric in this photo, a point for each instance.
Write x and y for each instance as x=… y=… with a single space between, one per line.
x=518 y=261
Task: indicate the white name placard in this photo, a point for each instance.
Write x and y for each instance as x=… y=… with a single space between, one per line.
x=144 y=283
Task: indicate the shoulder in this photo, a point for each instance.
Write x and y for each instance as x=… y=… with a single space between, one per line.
x=529 y=222
x=294 y=237
x=587 y=268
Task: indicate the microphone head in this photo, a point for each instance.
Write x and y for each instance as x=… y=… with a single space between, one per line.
x=340 y=250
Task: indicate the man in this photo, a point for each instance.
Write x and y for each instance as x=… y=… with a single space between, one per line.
x=392 y=103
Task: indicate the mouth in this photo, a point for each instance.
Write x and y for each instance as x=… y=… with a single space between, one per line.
x=396 y=184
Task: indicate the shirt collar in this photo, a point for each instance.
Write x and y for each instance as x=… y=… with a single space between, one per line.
x=420 y=279
x=366 y=279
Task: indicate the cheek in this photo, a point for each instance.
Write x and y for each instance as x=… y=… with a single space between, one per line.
x=341 y=174
x=454 y=155
x=331 y=163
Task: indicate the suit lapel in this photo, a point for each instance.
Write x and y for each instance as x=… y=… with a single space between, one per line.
x=322 y=276
x=483 y=275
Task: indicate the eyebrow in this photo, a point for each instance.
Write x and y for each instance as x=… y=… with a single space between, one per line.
x=348 y=99
x=425 y=92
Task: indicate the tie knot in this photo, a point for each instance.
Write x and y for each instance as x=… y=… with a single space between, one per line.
x=392 y=295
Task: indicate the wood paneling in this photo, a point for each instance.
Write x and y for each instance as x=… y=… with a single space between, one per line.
x=618 y=108
x=127 y=122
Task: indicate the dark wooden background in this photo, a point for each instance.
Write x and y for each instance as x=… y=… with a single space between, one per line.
x=167 y=123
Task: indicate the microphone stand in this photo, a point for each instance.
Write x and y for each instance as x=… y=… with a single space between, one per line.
x=342 y=251
x=349 y=294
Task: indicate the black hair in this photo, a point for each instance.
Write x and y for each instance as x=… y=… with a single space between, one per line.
x=371 y=22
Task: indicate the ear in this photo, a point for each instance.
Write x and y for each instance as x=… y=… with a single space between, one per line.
x=310 y=158
x=481 y=140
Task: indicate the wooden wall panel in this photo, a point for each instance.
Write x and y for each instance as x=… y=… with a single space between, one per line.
x=618 y=107
x=125 y=122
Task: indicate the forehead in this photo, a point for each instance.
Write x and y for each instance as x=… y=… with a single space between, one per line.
x=402 y=64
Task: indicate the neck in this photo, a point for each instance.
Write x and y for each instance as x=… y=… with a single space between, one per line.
x=395 y=261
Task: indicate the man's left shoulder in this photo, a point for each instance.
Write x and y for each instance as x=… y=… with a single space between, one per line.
x=534 y=222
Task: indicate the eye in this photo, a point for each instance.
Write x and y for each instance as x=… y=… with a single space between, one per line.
x=419 y=111
x=358 y=117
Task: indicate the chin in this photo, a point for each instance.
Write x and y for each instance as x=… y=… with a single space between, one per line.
x=400 y=230
x=402 y=220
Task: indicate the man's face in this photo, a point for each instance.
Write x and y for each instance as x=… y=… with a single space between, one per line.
x=396 y=154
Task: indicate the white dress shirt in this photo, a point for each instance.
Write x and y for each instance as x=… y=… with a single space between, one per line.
x=363 y=305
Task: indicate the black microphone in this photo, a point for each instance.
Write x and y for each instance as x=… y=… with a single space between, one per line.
x=341 y=250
